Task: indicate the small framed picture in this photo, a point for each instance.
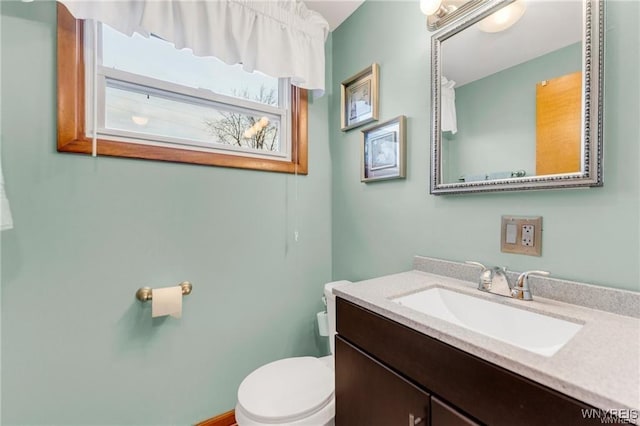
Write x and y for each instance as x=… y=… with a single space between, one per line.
x=359 y=98
x=383 y=151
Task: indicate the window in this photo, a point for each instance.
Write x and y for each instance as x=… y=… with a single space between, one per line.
x=153 y=101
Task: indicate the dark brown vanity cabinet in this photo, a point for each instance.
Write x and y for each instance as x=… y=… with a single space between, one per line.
x=371 y=394
x=388 y=374
x=443 y=414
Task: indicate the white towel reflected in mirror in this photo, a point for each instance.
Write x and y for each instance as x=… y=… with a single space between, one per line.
x=6 y=220
x=448 y=120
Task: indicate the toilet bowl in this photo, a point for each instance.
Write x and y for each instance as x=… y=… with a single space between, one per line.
x=292 y=391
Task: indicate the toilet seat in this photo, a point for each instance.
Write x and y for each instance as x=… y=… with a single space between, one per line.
x=287 y=391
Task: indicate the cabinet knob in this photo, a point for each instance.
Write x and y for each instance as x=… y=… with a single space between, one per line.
x=414 y=420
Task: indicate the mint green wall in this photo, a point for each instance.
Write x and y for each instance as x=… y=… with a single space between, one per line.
x=590 y=235
x=479 y=147
x=77 y=348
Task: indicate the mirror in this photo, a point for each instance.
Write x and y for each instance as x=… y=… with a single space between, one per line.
x=516 y=97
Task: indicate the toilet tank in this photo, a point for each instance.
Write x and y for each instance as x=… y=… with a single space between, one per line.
x=331 y=308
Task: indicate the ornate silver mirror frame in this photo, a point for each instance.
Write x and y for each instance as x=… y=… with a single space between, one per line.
x=592 y=109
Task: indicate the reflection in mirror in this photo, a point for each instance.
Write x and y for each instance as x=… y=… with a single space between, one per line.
x=511 y=108
x=525 y=89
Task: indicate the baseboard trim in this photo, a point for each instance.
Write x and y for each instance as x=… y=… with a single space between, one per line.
x=224 y=419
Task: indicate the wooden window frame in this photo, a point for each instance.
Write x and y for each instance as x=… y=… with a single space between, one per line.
x=71 y=117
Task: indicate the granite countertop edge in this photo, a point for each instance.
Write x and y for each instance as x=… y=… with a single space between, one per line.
x=609 y=378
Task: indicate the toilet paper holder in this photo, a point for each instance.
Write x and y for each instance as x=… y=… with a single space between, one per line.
x=145 y=294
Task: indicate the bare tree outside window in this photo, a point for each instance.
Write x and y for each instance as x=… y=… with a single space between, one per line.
x=244 y=130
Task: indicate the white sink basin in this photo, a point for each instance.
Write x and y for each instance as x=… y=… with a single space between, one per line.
x=534 y=332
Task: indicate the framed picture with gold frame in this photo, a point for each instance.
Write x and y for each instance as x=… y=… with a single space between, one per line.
x=383 y=151
x=359 y=98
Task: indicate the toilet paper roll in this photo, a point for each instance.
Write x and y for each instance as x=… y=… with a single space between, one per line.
x=323 y=323
x=166 y=301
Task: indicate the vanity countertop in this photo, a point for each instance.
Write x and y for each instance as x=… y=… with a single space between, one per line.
x=600 y=365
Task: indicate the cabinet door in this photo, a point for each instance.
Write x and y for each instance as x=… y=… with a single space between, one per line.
x=444 y=415
x=368 y=393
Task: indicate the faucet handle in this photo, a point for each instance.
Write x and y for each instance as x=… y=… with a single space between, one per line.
x=522 y=279
x=521 y=290
x=471 y=262
x=486 y=276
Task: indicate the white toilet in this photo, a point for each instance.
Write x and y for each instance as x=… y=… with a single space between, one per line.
x=292 y=391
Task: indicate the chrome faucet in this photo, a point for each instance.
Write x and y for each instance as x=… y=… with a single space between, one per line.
x=522 y=290
x=496 y=281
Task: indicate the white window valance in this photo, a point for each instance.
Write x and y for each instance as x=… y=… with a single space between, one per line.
x=280 y=38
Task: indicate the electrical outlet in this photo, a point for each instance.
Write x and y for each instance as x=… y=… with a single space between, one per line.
x=527 y=235
x=521 y=235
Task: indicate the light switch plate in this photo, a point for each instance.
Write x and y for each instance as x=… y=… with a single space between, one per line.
x=521 y=235
x=512 y=233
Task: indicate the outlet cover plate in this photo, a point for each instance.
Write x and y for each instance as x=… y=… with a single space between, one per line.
x=523 y=244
